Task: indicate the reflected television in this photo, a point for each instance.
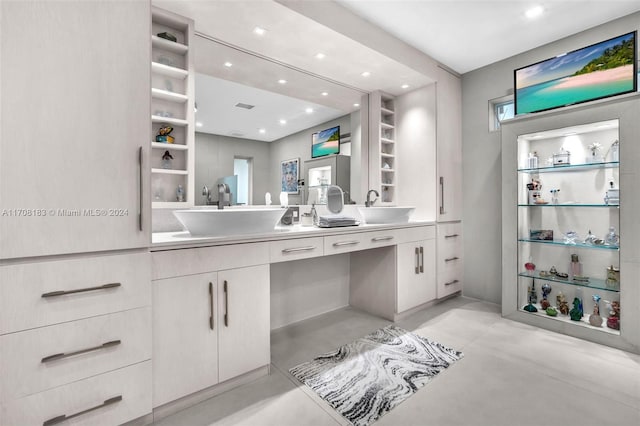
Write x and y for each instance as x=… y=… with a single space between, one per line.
x=604 y=69
x=326 y=142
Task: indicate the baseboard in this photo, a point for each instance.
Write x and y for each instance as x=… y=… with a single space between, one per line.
x=173 y=407
x=402 y=315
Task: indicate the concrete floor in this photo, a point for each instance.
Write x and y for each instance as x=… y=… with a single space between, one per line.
x=511 y=374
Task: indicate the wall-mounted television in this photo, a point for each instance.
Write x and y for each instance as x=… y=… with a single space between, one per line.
x=326 y=142
x=604 y=69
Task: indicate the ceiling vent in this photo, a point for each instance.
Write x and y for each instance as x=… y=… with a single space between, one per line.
x=245 y=106
x=236 y=134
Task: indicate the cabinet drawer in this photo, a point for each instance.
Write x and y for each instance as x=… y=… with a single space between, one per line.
x=419 y=233
x=85 y=348
x=449 y=281
x=302 y=248
x=449 y=241
x=176 y=263
x=335 y=244
x=116 y=397
x=44 y=293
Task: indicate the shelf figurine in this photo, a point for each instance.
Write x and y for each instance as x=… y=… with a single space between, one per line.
x=577 y=312
x=554 y=196
x=613 y=321
x=612 y=239
x=546 y=289
x=530 y=267
x=595 y=319
x=533 y=298
x=595 y=157
x=563 y=306
x=166 y=160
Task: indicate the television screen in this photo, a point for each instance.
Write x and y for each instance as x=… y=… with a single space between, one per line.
x=598 y=71
x=326 y=142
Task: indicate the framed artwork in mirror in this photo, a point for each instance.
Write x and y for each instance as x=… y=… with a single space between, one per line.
x=290 y=175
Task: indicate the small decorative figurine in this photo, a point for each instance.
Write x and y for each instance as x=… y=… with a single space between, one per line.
x=164 y=134
x=553 y=270
x=570 y=237
x=595 y=319
x=546 y=289
x=595 y=153
x=563 y=306
x=180 y=193
x=576 y=313
x=533 y=298
x=614 y=315
x=613 y=277
x=530 y=267
x=166 y=160
x=554 y=196
x=551 y=311
x=612 y=239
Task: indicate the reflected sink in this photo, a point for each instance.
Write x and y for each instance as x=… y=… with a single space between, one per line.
x=386 y=214
x=211 y=222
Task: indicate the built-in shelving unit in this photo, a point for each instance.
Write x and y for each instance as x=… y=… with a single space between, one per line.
x=382 y=147
x=173 y=103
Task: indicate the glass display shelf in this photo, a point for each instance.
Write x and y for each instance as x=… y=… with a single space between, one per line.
x=584 y=322
x=594 y=283
x=572 y=167
x=570 y=205
x=562 y=243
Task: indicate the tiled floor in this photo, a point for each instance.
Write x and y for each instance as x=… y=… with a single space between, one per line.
x=512 y=374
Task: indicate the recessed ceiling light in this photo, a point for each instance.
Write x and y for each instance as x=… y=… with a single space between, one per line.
x=283 y=121
x=366 y=74
x=356 y=105
x=282 y=81
x=534 y=12
x=198 y=124
x=405 y=86
x=324 y=94
x=228 y=64
x=259 y=31
x=309 y=110
x=320 y=55
x=262 y=131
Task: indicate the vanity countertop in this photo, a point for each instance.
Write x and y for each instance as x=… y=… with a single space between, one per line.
x=181 y=240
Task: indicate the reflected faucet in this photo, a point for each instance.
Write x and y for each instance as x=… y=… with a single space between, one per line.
x=369 y=203
x=224 y=195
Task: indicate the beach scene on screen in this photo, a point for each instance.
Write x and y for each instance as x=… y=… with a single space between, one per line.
x=326 y=142
x=597 y=71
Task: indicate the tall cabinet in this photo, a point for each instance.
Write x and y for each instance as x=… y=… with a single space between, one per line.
x=172 y=106
x=570 y=252
x=75 y=314
x=382 y=147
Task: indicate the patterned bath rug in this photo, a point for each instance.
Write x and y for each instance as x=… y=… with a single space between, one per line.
x=370 y=376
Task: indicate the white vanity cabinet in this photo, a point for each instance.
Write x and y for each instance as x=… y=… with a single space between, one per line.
x=211 y=326
x=416 y=281
x=75 y=107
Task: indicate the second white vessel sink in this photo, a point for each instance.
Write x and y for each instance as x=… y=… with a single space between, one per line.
x=386 y=214
x=211 y=222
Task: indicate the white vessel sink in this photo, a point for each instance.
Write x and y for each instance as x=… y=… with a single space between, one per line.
x=386 y=214
x=211 y=222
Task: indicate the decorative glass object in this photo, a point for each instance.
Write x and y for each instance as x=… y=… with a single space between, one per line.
x=612 y=239
x=594 y=150
x=166 y=160
x=570 y=237
x=595 y=319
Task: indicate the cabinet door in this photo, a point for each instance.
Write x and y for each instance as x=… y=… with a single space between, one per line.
x=75 y=111
x=416 y=281
x=185 y=340
x=244 y=332
x=449 y=146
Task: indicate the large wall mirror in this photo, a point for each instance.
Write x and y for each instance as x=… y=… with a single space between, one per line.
x=256 y=121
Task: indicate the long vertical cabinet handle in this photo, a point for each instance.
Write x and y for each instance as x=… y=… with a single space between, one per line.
x=226 y=304
x=417 y=260
x=64 y=417
x=211 y=322
x=442 y=211
x=421 y=259
x=141 y=197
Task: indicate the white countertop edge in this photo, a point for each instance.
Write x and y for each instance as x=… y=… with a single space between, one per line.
x=180 y=240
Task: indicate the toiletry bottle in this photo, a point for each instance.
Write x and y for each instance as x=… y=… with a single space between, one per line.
x=612 y=238
x=533 y=160
x=615 y=151
x=314 y=214
x=180 y=193
x=575 y=267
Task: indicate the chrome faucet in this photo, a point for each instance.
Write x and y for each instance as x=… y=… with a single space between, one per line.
x=223 y=192
x=369 y=203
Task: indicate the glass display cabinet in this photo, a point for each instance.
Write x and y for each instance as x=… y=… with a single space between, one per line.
x=570 y=234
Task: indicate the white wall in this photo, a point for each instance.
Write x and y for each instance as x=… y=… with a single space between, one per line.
x=481 y=160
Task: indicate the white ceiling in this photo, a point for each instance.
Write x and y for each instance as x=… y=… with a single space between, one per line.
x=469 y=34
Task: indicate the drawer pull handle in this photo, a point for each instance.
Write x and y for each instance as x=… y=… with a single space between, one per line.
x=226 y=304
x=81 y=351
x=211 y=324
x=451 y=282
x=64 y=417
x=81 y=290
x=387 y=238
x=417 y=260
x=452 y=259
x=452 y=236
x=293 y=250
x=346 y=243
x=421 y=259
x=140 y=189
